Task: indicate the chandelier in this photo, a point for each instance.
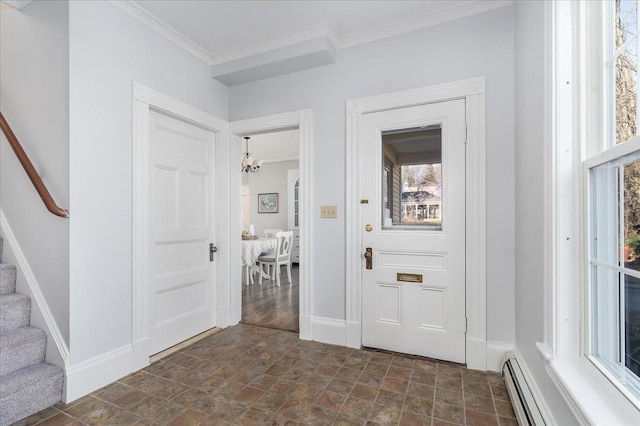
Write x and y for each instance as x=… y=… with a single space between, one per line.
x=249 y=165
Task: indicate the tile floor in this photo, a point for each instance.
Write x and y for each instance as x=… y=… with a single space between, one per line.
x=247 y=375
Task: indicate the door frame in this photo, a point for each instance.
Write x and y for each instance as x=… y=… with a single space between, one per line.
x=303 y=120
x=145 y=99
x=473 y=91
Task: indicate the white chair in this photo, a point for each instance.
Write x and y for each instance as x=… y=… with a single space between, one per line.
x=280 y=257
x=271 y=233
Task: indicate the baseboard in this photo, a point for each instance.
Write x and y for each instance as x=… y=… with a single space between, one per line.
x=305 y=327
x=495 y=352
x=328 y=330
x=58 y=352
x=223 y=317
x=535 y=390
x=476 y=354
x=354 y=335
x=94 y=373
x=140 y=354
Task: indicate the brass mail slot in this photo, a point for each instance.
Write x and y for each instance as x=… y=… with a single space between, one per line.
x=410 y=278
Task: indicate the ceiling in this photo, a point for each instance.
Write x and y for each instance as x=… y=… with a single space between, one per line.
x=220 y=26
x=274 y=146
x=255 y=37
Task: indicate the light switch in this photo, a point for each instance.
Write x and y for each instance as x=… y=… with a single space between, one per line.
x=329 y=211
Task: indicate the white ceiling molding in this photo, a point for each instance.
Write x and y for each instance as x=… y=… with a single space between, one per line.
x=17 y=4
x=419 y=22
x=163 y=29
x=310 y=33
x=284 y=60
x=325 y=30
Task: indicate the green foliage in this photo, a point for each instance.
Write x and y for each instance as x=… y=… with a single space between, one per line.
x=633 y=241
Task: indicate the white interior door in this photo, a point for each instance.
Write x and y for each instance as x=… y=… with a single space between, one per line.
x=413 y=181
x=180 y=230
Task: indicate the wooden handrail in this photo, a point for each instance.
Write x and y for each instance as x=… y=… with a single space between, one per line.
x=31 y=171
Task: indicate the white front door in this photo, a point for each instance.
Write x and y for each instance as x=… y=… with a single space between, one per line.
x=180 y=231
x=413 y=198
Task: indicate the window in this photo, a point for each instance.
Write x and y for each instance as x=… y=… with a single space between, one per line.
x=613 y=206
x=412 y=178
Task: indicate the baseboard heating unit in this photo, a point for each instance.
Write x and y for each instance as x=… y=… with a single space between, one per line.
x=524 y=405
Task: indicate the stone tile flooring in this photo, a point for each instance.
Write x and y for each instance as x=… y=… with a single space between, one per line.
x=247 y=375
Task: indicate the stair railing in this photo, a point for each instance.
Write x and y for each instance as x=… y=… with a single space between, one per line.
x=49 y=203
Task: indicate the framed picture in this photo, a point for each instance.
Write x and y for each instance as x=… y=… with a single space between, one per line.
x=268 y=203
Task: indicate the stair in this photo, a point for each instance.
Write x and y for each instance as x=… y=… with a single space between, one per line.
x=27 y=383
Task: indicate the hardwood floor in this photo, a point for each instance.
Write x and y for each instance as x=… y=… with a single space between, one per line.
x=269 y=306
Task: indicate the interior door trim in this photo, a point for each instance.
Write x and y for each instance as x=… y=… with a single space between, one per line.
x=303 y=120
x=145 y=99
x=473 y=91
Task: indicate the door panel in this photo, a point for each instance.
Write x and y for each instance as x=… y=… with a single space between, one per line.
x=413 y=177
x=181 y=275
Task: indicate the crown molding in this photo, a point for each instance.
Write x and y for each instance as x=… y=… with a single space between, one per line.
x=17 y=4
x=325 y=29
x=162 y=28
x=285 y=40
x=408 y=25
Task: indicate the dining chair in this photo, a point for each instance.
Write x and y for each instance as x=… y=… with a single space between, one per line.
x=270 y=233
x=280 y=257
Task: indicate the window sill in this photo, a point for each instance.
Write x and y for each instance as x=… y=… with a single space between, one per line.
x=592 y=398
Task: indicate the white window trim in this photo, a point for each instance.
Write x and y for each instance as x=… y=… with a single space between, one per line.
x=590 y=393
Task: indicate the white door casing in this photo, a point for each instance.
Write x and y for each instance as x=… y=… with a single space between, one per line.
x=424 y=318
x=181 y=196
x=473 y=92
x=303 y=120
x=145 y=101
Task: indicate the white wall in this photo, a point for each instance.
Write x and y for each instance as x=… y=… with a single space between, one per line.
x=109 y=50
x=529 y=230
x=475 y=46
x=34 y=98
x=271 y=178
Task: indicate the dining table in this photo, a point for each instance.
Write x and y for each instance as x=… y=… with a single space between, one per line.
x=251 y=250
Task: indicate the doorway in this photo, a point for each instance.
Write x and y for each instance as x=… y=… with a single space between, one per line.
x=303 y=121
x=413 y=176
x=270 y=205
x=472 y=91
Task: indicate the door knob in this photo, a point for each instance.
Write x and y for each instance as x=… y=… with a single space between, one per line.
x=368 y=256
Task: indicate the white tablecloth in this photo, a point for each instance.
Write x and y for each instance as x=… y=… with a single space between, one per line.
x=251 y=249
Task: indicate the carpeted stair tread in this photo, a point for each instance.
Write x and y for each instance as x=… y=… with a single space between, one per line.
x=7 y=278
x=15 y=311
x=28 y=391
x=21 y=348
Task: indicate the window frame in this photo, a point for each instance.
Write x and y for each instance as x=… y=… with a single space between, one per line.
x=575 y=123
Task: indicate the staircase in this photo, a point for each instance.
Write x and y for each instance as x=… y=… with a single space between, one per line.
x=27 y=383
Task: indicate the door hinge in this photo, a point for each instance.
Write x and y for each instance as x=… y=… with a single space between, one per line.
x=466 y=324
x=212 y=250
x=466 y=133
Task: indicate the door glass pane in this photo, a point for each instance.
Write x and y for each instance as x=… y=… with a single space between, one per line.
x=412 y=184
